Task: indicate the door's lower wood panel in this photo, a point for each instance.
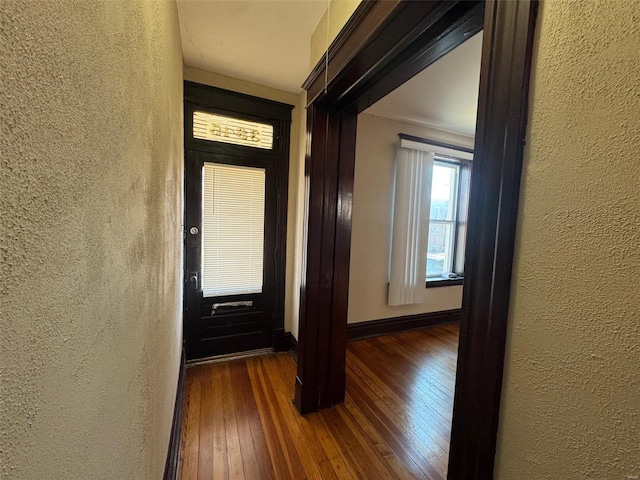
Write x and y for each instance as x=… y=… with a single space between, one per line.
x=239 y=422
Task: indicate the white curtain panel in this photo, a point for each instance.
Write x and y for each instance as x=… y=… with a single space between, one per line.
x=412 y=198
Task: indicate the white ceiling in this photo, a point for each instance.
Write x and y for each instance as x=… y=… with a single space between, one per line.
x=444 y=95
x=261 y=41
x=267 y=42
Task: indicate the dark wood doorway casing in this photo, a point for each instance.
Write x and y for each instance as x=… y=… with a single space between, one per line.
x=236 y=331
x=384 y=44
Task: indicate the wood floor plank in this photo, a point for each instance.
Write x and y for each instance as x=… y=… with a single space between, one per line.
x=368 y=464
x=395 y=432
x=219 y=469
x=342 y=469
x=391 y=450
x=403 y=391
x=207 y=418
x=372 y=452
x=309 y=448
x=400 y=421
x=278 y=414
x=428 y=369
x=255 y=453
x=277 y=455
x=291 y=426
x=190 y=435
x=413 y=421
x=239 y=421
x=385 y=388
x=391 y=362
x=236 y=458
x=287 y=442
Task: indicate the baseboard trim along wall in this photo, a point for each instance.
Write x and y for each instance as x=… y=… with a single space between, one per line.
x=384 y=326
x=171 y=464
x=373 y=328
x=294 y=347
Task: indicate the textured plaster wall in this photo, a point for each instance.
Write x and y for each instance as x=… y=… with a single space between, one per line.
x=296 y=176
x=90 y=237
x=571 y=394
x=337 y=15
x=370 y=238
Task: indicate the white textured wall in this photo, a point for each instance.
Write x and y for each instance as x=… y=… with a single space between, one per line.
x=571 y=395
x=90 y=244
x=370 y=238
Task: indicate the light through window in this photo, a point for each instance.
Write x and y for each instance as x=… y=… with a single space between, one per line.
x=442 y=219
x=218 y=128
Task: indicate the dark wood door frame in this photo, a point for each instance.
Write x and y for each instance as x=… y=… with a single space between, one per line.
x=198 y=97
x=383 y=45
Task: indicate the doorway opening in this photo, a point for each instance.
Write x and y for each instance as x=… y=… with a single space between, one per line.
x=413 y=166
x=236 y=170
x=382 y=46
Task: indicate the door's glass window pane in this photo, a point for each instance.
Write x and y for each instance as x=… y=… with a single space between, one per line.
x=232 y=229
x=218 y=128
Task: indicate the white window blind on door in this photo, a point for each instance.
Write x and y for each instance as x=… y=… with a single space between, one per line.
x=232 y=229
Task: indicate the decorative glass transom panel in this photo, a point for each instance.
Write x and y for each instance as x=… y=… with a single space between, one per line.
x=218 y=128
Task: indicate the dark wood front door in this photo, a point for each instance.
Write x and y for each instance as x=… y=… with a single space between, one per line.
x=236 y=164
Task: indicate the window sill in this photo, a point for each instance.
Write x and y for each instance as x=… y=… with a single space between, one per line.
x=444 y=282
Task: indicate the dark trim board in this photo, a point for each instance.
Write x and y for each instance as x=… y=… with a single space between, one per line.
x=386 y=44
x=294 y=347
x=173 y=454
x=356 y=331
x=281 y=340
x=493 y=211
x=448 y=282
x=437 y=143
x=385 y=326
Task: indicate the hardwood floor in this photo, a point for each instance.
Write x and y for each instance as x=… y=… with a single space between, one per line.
x=240 y=423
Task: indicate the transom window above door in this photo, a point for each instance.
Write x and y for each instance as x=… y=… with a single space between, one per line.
x=224 y=129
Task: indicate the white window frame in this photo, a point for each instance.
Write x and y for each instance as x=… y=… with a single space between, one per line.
x=453 y=205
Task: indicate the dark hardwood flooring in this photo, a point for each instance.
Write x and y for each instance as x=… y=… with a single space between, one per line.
x=240 y=423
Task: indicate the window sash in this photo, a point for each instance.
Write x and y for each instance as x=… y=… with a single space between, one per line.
x=452 y=216
x=449 y=246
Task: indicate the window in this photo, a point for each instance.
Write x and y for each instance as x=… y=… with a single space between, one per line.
x=218 y=128
x=429 y=218
x=442 y=219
